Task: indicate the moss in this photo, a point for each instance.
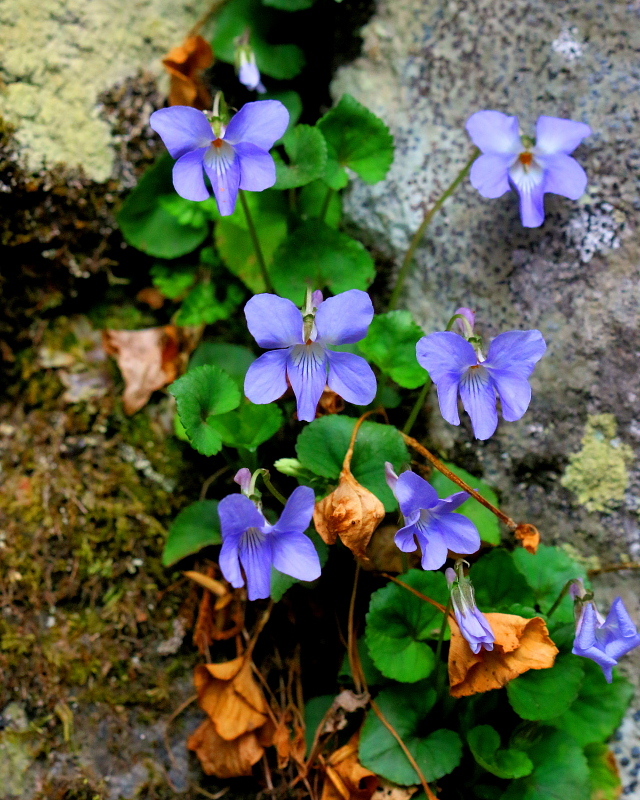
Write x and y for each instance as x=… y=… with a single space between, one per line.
x=598 y=474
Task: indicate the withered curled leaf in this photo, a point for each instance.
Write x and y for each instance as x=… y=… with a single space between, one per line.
x=222 y=758
x=185 y=64
x=529 y=535
x=346 y=778
x=521 y=644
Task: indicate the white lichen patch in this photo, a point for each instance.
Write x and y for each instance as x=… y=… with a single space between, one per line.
x=568 y=45
x=595 y=229
x=58 y=56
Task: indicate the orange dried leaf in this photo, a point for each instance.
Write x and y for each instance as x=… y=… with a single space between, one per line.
x=185 y=64
x=222 y=758
x=529 y=535
x=521 y=644
x=350 y=512
x=289 y=741
x=346 y=778
x=330 y=403
x=231 y=697
x=149 y=359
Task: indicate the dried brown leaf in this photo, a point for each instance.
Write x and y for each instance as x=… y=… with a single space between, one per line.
x=223 y=758
x=521 y=644
x=529 y=535
x=185 y=64
x=330 y=403
x=289 y=741
x=346 y=778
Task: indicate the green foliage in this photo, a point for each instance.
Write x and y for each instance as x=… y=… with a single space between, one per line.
x=195 y=527
x=201 y=394
x=484 y=742
x=399 y=623
x=314 y=712
x=173 y=280
x=150 y=217
x=372 y=674
x=289 y=5
x=485 y=520
x=202 y=307
x=605 y=781
x=323 y=444
x=498 y=584
x=234 y=242
x=249 y=425
x=598 y=709
x=357 y=139
x=307 y=152
x=281 y=583
x=234 y=359
x=560 y=770
x=312 y=200
x=315 y=256
x=542 y=693
x=391 y=345
x=547 y=573
x=407 y=707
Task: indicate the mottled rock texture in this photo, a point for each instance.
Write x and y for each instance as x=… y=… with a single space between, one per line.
x=427 y=65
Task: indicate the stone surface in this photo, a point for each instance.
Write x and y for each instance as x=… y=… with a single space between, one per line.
x=58 y=56
x=427 y=65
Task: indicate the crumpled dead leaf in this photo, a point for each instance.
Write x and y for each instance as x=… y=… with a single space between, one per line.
x=346 y=778
x=529 y=535
x=185 y=64
x=238 y=727
x=330 y=403
x=289 y=741
x=521 y=644
x=149 y=359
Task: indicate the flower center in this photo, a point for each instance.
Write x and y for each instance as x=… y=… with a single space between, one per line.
x=218 y=143
x=526 y=159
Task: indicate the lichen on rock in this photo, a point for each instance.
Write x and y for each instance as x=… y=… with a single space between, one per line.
x=598 y=474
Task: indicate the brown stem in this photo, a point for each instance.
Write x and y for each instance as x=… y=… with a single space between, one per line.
x=615 y=567
x=424 y=597
x=346 y=464
x=258 y=629
x=352 y=644
x=462 y=484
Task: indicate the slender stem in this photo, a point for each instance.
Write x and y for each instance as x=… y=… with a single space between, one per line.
x=443 y=630
x=327 y=202
x=615 y=567
x=561 y=596
x=413 y=416
x=424 y=597
x=352 y=644
x=267 y=482
x=419 y=234
x=463 y=484
x=256 y=243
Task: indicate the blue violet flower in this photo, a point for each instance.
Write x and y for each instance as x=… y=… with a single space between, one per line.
x=473 y=624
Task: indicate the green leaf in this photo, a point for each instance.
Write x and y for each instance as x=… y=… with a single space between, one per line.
x=281 y=61
x=407 y=708
x=357 y=139
x=201 y=394
x=173 y=280
x=314 y=712
x=485 y=520
x=560 y=770
x=498 y=584
x=547 y=573
x=605 y=781
x=281 y=583
x=323 y=444
x=234 y=242
x=542 y=693
x=249 y=425
x=148 y=224
x=307 y=151
x=372 y=674
x=398 y=623
x=289 y=5
x=599 y=707
x=234 y=359
x=312 y=200
x=391 y=345
x=316 y=256
x=202 y=307
x=484 y=742
x=195 y=527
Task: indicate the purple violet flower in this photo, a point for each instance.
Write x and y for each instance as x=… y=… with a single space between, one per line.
x=249 y=74
x=429 y=520
x=532 y=166
x=605 y=641
x=300 y=353
x=474 y=626
x=250 y=542
x=234 y=156
x=458 y=366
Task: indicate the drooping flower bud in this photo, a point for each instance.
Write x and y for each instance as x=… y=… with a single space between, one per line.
x=246 y=67
x=473 y=624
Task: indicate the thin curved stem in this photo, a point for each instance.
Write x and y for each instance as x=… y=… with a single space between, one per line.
x=419 y=234
x=445 y=610
x=413 y=416
x=256 y=243
x=326 y=203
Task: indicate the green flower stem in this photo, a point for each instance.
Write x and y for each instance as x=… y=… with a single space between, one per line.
x=561 y=596
x=327 y=202
x=443 y=630
x=419 y=234
x=413 y=416
x=267 y=482
x=256 y=243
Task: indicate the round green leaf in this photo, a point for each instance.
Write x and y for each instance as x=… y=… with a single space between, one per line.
x=234 y=359
x=312 y=200
x=357 y=139
x=391 y=345
x=547 y=572
x=484 y=742
x=195 y=527
x=560 y=770
x=407 y=709
x=598 y=708
x=323 y=444
x=307 y=151
x=203 y=393
x=542 y=693
x=249 y=425
x=485 y=520
x=498 y=584
x=289 y=5
x=315 y=256
x=398 y=623
x=148 y=221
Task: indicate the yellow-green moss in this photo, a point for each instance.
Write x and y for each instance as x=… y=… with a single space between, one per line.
x=598 y=474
